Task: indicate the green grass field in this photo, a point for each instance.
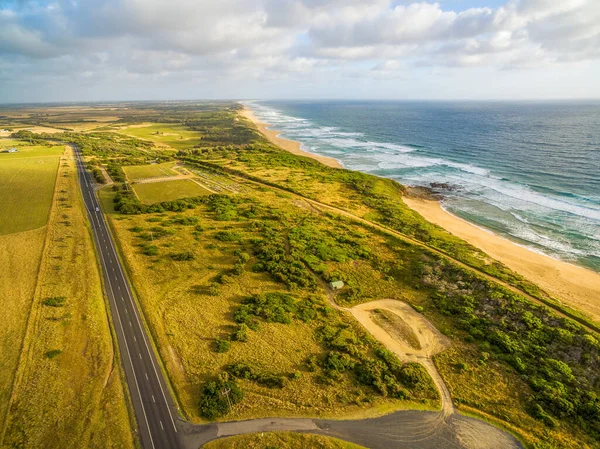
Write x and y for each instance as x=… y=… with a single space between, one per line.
x=155 y=192
x=135 y=172
x=26 y=190
x=27 y=151
x=174 y=136
x=280 y=440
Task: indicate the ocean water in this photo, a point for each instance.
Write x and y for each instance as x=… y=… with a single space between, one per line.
x=526 y=171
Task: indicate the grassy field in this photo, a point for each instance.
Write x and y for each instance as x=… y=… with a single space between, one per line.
x=135 y=172
x=27 y=187
x=20 y=255
x=190 y=304
x=68 y=391
x=154 y=192
x=202 y=276
x=280 y=440
x=174 y=136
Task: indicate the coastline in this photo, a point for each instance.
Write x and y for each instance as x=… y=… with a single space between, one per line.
x=289 y=145
x=574 y=285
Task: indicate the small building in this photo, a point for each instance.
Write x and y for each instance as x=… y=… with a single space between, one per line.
x=336 y=285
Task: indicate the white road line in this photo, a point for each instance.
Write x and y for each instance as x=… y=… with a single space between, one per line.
x=161 y=426
x=140 y=354
x=153 y=400
x=146 y=374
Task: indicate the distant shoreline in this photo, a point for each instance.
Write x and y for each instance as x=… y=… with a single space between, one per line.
x=577 y=286
x=289 y=145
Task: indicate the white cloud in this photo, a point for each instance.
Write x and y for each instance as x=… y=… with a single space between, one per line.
x=286 y=39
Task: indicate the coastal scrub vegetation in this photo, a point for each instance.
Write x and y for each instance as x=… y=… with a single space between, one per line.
x=235 y=290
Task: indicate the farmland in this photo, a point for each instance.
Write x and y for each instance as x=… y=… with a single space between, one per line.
x=29 y=174
x=68 y=391
x=153 y=192
x=173 y=136
x=20 y=255
x=135 y=172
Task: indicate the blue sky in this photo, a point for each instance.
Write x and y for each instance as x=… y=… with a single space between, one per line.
x=68 y=50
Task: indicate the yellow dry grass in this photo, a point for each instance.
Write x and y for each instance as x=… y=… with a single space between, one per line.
x=20 y=255
x=74 y=399
x=280 y=440
x=185 y=320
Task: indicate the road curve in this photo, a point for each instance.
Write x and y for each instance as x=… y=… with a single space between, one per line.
x=155 y=412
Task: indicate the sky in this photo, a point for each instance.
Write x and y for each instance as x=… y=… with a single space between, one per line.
x=105 y=50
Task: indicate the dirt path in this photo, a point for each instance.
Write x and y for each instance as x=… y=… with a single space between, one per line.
x=429 y=338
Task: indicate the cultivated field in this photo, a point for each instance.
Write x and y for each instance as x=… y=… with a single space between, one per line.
x=154 y=192
x=27 y=186
x=20 y=255
x=174 y=136
x=135 y=172
x=68 y=391
x=280 y=440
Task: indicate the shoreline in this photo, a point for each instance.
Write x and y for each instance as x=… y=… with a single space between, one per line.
x=291 y=146
x=576 y=286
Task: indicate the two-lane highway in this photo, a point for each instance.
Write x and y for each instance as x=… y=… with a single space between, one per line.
x=155 y=413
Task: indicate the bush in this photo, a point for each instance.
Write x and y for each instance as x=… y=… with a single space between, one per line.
x=55 y=301
x=222 y=346
x=241 y=333
x=228 y=236
x=216 y=397
x=271 y=307
x=241 y=370
x=183 y=256
x=53 y=353
x=150 y=250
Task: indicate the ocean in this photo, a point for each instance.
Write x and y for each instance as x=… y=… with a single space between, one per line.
x=526 y=171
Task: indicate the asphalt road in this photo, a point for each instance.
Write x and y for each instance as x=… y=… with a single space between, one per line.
x=154 y=410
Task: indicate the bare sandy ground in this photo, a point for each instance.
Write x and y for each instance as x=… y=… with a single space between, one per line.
x=288 y=145
x=575 y=286
x=430 y=339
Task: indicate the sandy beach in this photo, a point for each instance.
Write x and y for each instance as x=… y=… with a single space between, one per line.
x=575 y=286
x=288 y=145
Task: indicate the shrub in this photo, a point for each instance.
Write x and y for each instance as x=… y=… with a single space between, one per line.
x=228 y=236
x=222 y=346
x=150 y=250
x=53 y=353
x=55 y=301
x=183 y=256
x=271 y=307
x=216 y=397
x=241 y=333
